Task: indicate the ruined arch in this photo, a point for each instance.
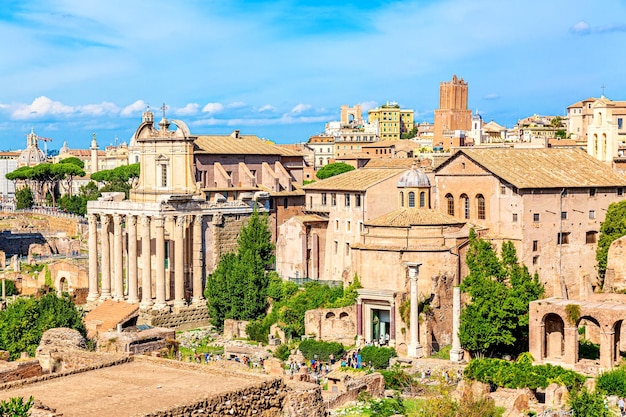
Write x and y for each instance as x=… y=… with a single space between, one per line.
x=554 y=337
x=589 y=330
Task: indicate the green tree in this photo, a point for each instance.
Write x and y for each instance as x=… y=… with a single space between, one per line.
x=24 y=198
x=496 y=318
x=238 y=287
x=23 y=322
x=333 y=169
x=119 y=179
x=613 y=227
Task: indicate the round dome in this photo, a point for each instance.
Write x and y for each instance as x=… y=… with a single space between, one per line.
x=414 y=178
x=31 y=156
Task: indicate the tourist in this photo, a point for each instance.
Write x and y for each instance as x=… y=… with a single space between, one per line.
x=620 y=404
x=332 y=359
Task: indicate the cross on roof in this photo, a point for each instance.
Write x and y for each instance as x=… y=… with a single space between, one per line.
x=164 y=107
x=603 y=87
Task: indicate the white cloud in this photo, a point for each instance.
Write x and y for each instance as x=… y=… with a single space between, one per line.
x=300 y=108
x=189 y=110
x=581 y=27
x=267 y=107
x=236 y=105
x=41 y=106
x=368 y=105
x=131 y=109
x=212 y=108
x=98 y=109
x=491 y=96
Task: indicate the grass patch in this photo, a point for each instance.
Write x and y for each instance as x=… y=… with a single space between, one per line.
x=444 y=353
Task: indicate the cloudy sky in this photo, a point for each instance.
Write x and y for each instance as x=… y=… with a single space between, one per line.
x=281 y=69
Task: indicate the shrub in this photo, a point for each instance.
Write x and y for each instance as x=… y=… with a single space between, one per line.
x=258 y=330
x=16 y=407
x=379 y=356
x=310 y=348
x=386 y=407
x=521 y=374
x=396 y=379
x=282 y=352
x=588 y=350
x=588 y=404
x=613 y=382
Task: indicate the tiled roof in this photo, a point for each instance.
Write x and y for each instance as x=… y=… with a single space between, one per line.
x=106 y=316
x=309 y=218
x=407 y=217
x=543 y=168
x=390 y=163
x=356 y=180
x=243 y=145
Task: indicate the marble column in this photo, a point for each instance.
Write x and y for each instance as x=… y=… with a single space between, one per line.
x=415 y=350
x=607 y=349
x=197 y=260
x=159 y=225
x=179 y=265
x=146 y=269
x=93 y=257
x=118 y=294
x=456 y=353
x=392 y=324
x=106 y=257
x=131 y=230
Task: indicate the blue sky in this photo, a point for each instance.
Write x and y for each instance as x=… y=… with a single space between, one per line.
x=281 y=69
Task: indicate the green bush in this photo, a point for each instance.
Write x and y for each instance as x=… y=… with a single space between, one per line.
x=588 y=404
x=379 y=356
x=16 y=407
x=613 y=382
x=588 y=350
x=282 y=352
x=386 y=407
x=258 y=330
x=396 y=379
x=310 y=348
x=521 y=374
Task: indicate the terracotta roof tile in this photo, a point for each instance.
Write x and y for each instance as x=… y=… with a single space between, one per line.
x=357 y=180
x=407 y=217
x=544 y=168
x=243 y=145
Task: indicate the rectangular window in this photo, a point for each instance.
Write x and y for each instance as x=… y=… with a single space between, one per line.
x=591 y=237
x=163 y=175
x=592 y=192
x=357 y=200
x=336 y=225
x=347 y=200
x=620 y=191
x=535 y=245
x=323 y=199
x=535 y=217
x=562 y=238
x=536 y=260
x=336 y=247
x=503 y=189
x=592 y=214
x=333 y=199
x=361 y=228
x=347 y=249
x=563 y=215
x=619 y=123
x=514 y=217
x=348 y=226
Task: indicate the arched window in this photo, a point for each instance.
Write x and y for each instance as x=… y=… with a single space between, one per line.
x=450 y=201
x=411 y=199
x=401 y=198
x=422 y=199
x=480 y=206
x=465 y=203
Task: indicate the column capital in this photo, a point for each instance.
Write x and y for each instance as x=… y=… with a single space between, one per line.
x=159 y=221
x=181 y=220
x=117 y=218
x=197 y=219
x=145 y=220
x=105 y=219
x=92 y=218
x=414 y=269
x=131 y=220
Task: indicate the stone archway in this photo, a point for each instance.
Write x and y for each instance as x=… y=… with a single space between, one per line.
x=589 y=339
x=62 y=284
x=617 y=339
x=554 y=337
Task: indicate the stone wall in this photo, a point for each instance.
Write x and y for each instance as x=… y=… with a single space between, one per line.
x=374 y=384
x=235 y=329
x=263 y=400
x=182 y=318
x=304 y=400
x=615 y=278
x=221 y=236
x=14 y=371
x=332 y=324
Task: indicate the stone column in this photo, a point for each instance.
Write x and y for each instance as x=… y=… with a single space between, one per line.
x=93 y=257
x=106 y=257
x=359 y=321
x=118 y=294
x=607 y=349
x=456 y=353
x=179 y=265
x=392 y=323
x=197 y=260
x=159 y=225
x=415 y=350
x=571 y=345
x=131 y=229
x=146 y=268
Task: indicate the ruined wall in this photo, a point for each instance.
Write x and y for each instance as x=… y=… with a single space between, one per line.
x=263 y=400
x=14 y=371
x=221 y=237
x=304 y=400
x=332 y=324
x=234 y=329
x=374 y=384
x=615 y=278
x=182 y=318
